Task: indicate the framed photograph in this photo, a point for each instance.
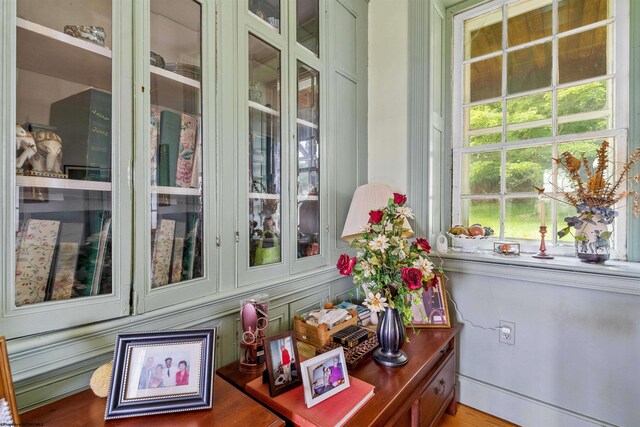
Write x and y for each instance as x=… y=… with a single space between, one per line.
x=8 y=408
x=432 y=310
x=161 y=372
x=283 y=366
x=324 y=376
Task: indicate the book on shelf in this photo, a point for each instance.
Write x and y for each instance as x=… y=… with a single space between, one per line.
x=83 y=122
x=170 y=125
x=102 y=245
x=197 y=162
x=161 y=254
x=154 y=129
x=70 y=240
x=178 y=249
x=189 y=253
x=89 y=252
x=364 y=314
x=335 y=411
x=186 y=150
x=34 y=260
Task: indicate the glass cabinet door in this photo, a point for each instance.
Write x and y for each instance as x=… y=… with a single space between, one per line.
x=267 y=10
x=308 y=107
x=308 y=25
x=176 y=142
x=265 y=222
x=64 y=141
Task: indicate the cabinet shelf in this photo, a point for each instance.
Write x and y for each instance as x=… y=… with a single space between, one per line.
x=264 y=196
x=175 y=191
x=306 y=123
x=46 y=51
x=260 y=107
x=64 y=184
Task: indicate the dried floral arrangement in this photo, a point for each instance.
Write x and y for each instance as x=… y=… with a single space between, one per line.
x=596 y=190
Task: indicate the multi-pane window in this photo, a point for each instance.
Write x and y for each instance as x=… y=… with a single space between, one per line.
x=532 y=79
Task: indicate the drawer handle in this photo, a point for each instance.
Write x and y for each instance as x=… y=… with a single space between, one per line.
x=439 y=389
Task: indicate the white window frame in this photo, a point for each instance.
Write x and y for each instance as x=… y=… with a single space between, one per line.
x=619 y=46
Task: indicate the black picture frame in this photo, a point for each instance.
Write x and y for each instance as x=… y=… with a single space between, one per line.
x=278 y=383
x=136 y=387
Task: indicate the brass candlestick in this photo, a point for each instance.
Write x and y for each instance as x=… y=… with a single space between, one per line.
x=542 y=252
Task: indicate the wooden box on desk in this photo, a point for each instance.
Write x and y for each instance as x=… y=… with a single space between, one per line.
x=319 y=336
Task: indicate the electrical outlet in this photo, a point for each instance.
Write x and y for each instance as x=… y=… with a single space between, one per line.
x=507 y=332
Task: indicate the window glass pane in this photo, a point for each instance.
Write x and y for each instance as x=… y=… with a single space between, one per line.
x=583 y=55
x=522 y=218
x=176 y=142
x=528 y=133
x=529 y=68
x=484 y=116
x=308 y=24
x=584 y=108
x=528 y=21
x=265 y=153
x=64 y=149
x=577 y=13
x=485 y=139
x=483 y=35
x=267 y=10
x=482 y=211
x=527 y=167
x=529 y=108
x=483 y=172
x=582 y=126
x=308 y=161
x=483 y=79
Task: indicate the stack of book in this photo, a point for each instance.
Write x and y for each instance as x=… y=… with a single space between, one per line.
x=58 y=260
x=175 y=250
x=364 y=314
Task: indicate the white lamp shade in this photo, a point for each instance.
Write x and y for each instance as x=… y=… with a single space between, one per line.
x=367 y=198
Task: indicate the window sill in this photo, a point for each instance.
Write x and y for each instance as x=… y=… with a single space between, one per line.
x=613 y=276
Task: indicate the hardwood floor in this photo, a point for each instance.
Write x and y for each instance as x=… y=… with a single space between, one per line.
x=469 y=417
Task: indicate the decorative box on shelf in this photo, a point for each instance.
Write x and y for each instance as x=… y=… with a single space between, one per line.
x=320 y=335
x=506 y=248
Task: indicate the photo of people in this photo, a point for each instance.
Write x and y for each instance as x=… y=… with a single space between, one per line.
x=283 y=367
x=283 y=361
x=324 y=376
x=164 y=374
x=432 y=310
x=163 y=370
x=327 y=376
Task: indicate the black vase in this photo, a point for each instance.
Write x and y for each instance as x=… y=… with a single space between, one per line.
x=391 y=335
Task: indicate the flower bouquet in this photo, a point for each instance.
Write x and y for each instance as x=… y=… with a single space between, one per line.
x=595 y=193
x=391 y=271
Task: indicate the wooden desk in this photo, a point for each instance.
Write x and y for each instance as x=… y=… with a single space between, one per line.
x=416 y=394
x=230 y=407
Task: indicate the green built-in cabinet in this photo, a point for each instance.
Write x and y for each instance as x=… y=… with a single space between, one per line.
x=193 y=154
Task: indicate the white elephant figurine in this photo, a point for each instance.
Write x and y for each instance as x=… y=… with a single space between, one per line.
x=26 y=143
x=49 y=156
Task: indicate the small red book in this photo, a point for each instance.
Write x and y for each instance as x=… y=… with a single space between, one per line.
x=333 y=412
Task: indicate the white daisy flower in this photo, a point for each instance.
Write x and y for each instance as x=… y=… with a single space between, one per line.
x=380 y=243
x=367 y=268
x=404 y=212
x=425 y=266
x=376 y=303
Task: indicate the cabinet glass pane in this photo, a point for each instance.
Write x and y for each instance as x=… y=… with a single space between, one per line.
x=308 y=23
x=176 y=142
x=308 y=161
x=267 y=10
x=264 y=153
x=63 y=146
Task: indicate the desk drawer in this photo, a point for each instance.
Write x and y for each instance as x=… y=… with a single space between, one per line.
x=438 y=390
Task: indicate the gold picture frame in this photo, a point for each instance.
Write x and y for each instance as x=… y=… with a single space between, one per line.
x=6 y=383
x=434 y=310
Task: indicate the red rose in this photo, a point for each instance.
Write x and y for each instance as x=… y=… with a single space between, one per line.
x=345 y=264
x=399 y=199
x=423 y=244
x=375 y=217
x=431 y=283
x=412 y=277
